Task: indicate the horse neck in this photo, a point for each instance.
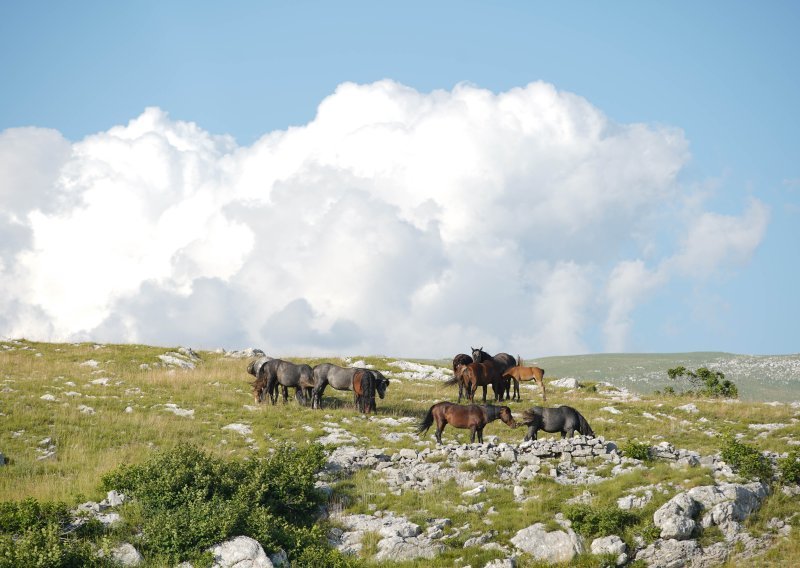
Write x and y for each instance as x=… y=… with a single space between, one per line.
x=492 y=412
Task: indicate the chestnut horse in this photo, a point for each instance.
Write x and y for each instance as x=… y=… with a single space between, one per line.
x=364 y=391
x=520 y=373
x=474 y=417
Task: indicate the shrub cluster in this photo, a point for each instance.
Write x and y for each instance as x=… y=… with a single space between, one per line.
x=36 y=534
x=745 y=460
x=790 y=467
x=704 y=382
x=189 y=500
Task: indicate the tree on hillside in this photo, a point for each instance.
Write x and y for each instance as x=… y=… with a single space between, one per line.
x=703 y=382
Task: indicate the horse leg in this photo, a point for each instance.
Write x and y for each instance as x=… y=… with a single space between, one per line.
x=285 y=394
x=439 y=430
x=316 y=401
x=480 y=435
x=544 y=394
x=516 y=391
x=484 y=393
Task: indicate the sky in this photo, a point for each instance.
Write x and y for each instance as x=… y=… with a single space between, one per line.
x=405 y=179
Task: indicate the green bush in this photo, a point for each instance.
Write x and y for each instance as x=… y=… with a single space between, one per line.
x=790 y=467
x=593 y=522
x=34 y=534
x=637 y=450
x=704 y=382
x=745 y=460
x=190 y=500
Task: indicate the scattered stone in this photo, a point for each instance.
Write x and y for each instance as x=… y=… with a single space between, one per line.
x=691 y=408
x=242 y=429
x=611 y=410
x=48 y=397
x=85 y=409
x=249 y=353
x=565 y=383
x=176 y=410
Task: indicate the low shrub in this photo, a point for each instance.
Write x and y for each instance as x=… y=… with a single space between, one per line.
x=637 y=450
x=36 y=534
x=790 y=467
x=594 y=522
x=704 y=382
x=744 y=460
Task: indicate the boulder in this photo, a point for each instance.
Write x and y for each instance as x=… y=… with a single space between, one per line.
x=126 y=555
x=240 y=552
x=669 y=553
x=675 y=518
x=553 y=546
x=611 y=545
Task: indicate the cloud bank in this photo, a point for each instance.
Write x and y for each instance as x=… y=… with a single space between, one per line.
x=395 y=222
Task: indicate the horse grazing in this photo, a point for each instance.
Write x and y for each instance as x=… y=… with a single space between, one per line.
x=564 y=419
x=460 y=359
x=341 y=378
x=277 y=372
x=520 y=373
x=255 y=368
x=364 y=382
x=474 y=417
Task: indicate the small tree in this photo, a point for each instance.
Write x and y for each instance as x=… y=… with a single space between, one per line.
x=704 y=382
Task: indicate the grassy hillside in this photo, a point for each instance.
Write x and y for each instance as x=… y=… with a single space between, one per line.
x=71 y=412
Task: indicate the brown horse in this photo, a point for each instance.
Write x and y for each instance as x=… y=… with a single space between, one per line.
x=474 y=417
x=364 y=391
x=520 y=373
x=458 y=360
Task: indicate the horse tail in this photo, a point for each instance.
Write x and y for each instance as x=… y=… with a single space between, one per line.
x=426 y=422
x=369 y=391
x=451 y=381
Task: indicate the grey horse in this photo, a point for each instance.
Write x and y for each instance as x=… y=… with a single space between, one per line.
x=341 y=378
x=503 y=362
x=564 y=419
x=288 y=374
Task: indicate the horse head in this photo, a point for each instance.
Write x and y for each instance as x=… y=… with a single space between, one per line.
x=381 y=383
x=506 y=417
x=478 y=354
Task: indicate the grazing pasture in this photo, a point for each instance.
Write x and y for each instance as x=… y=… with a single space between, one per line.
x=70 y=413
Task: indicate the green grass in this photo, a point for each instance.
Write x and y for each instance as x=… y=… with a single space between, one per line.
x=87 y=446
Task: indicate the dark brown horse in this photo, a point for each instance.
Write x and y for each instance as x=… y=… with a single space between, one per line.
x=520 y=373
x=477 y=375
x=364 y=391
x=473 y=416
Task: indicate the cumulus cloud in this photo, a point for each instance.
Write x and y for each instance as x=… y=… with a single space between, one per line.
x=395 y=222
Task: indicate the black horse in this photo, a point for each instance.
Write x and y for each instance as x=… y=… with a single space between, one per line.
x=564 y=419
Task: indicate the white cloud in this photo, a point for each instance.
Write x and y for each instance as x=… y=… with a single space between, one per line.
x=395 y=222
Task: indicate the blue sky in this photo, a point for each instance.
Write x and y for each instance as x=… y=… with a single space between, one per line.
x=722 y=74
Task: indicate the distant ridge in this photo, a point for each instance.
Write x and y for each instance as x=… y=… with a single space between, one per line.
x=758 y=377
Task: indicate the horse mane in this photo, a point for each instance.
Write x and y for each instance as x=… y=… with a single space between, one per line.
x=583 y=425
x=528 y=415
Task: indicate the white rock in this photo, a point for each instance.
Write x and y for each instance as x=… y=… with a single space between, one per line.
x=691 y=408
x=242 y=429
x=240 y=552
x=565 y=383
x=48 y=397
x=126 y=555
x=554 y=546
x=611 y=409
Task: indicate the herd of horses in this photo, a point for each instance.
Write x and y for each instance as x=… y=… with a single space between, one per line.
x=500 y=371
